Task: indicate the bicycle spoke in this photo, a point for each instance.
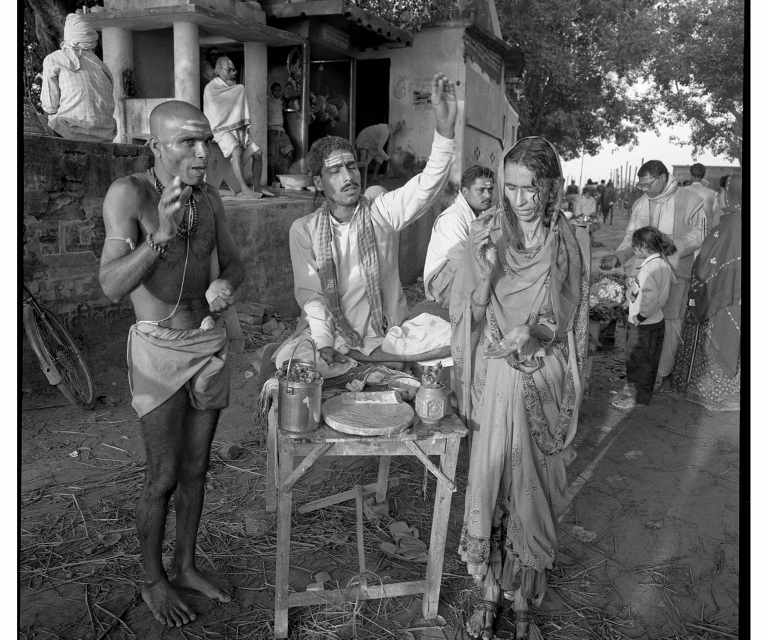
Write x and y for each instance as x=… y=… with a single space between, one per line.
x=65 y=357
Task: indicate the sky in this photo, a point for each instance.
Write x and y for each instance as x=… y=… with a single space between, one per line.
x=650 y=147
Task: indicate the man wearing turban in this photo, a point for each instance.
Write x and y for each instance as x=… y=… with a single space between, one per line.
x=77 y=86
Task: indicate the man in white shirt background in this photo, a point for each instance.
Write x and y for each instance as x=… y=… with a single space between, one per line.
x=345 y=254
x=451 y=230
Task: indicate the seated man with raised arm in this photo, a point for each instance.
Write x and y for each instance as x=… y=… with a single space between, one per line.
x=345 y=254
x=451 y=230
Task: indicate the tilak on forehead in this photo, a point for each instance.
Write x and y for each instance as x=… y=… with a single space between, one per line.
x=195 y=125
x=339 y=160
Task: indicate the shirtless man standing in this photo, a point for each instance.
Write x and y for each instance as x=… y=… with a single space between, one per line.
x=164 y=230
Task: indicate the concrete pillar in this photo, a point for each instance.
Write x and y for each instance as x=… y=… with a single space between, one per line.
x=186 y=62
x=117 y=46
x=255 y=81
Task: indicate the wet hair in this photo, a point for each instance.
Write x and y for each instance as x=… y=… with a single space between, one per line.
x=653 y=168
x=698 y=170
x=650 y=239
x=322 y=148
x=475 y=172
x=536 y=155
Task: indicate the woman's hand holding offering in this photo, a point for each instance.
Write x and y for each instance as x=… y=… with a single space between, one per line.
x=512 y=343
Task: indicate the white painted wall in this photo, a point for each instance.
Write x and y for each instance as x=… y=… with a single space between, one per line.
x=412 y=68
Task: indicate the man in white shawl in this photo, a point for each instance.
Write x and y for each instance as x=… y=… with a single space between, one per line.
x=77 y=87
x=679 y=214
x=226 y=108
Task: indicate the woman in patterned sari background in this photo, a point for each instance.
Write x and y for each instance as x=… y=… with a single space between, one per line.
x=708 y=363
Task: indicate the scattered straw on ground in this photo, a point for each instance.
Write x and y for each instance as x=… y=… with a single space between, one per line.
x=78 y=541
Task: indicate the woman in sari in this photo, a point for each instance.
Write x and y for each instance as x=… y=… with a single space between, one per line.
x=708 y=364
x=519 y=308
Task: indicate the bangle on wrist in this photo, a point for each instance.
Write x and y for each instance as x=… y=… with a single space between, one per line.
x=548 y=343
x=161 y=249
x=479 y=304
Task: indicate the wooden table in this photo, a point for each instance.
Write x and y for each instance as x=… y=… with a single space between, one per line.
x=421 y=441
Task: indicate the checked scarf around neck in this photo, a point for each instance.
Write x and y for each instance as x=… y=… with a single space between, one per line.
x=322 y=239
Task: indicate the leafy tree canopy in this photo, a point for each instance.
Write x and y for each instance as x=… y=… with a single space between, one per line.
x=697 y=70
x=601 y=70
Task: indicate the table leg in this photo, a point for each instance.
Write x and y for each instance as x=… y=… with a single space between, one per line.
x=440 y=517
x=284 y=501
x=383 y=481
x=271 y=497
x=360 y=542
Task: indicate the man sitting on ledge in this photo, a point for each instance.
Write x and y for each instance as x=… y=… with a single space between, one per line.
x=225 y=107
x=345 y=254
x=76 y=92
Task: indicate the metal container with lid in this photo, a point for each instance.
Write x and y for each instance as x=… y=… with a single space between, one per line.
x=299 y=403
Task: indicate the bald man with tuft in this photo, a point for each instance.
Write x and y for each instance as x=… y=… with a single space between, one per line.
x=166 y=235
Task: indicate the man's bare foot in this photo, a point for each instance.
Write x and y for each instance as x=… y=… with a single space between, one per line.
x=165 y=604
x=209 y=586
x=250 y=194
x=480 y=623
x=666 y=385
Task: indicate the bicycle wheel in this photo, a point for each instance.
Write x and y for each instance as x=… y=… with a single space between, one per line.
x=55 y=349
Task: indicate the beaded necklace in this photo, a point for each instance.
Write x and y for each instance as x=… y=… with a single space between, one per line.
x=188 y=225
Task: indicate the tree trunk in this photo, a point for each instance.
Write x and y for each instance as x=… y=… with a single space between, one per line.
x=49 y=22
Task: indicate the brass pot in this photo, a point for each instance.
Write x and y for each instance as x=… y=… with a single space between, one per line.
x=432 y=403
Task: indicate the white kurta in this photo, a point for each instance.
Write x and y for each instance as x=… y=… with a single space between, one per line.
x=391 y=212
x=446 y=246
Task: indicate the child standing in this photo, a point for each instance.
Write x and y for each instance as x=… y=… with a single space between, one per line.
x=647 y=294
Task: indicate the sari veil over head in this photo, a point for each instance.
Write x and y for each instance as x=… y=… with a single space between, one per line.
x=522 y=410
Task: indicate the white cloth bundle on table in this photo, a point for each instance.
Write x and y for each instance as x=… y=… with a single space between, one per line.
x=424 y=333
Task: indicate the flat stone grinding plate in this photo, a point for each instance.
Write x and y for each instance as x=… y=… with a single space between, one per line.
x=380 y=413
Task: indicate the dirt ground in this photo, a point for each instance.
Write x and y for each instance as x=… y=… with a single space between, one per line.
x=664 y=561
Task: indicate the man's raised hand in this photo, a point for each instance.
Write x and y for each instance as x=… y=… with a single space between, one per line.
x=444 y=104
x=171 y=210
